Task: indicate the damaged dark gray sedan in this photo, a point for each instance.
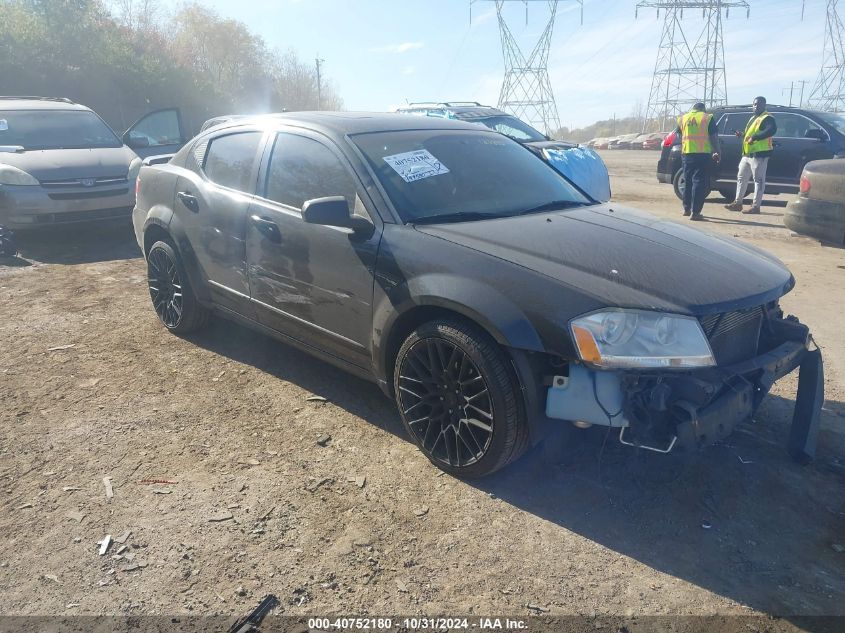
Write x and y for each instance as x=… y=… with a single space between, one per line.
x=480 y=289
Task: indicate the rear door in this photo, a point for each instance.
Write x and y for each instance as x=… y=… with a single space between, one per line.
x=793 y=148
x=212 y=203
x=158 y=132
x=312 y=282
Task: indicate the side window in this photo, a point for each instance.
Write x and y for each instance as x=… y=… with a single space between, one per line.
x=229 y=160
x=303 y=169
x=792 y=125
x=157 y=128
x=734 y=122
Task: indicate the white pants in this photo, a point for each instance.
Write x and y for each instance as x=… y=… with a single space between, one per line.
x=752 y=168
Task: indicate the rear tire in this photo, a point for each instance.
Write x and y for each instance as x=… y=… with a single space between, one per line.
x=460 y=399
x=727 y=194
x=679 y=182
x=171 y=292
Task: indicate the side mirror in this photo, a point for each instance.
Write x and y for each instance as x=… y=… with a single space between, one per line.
x=135 y=141
x=334 y=211
x=817 y=134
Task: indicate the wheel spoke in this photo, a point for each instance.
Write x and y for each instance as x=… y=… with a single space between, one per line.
x=487 y=428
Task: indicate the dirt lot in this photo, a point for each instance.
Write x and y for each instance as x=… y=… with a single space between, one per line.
x=91 y=387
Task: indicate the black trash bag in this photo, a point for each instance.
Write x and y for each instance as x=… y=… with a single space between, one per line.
x=8 y=248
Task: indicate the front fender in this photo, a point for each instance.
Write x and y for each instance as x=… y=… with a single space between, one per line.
x=475 y=300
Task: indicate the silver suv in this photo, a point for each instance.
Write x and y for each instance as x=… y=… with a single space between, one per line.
x=61 y=163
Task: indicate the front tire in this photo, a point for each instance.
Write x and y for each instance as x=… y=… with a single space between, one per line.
x=459 y=398
x=170 y=291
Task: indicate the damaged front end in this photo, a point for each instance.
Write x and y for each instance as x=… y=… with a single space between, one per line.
x=670 y=407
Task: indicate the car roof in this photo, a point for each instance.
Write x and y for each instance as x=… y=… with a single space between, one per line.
x=39 y=103
x=770 y=107
x=343 y=123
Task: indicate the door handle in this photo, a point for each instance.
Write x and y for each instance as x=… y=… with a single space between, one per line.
x=267 y=228
x=188 y=199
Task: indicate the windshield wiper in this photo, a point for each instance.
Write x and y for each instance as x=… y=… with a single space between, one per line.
x=554 y=205
x=456 y=217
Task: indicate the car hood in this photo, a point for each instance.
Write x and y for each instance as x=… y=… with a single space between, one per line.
x=627 y=258
x=63 y=164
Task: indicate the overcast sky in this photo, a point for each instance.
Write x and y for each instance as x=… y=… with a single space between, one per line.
x=380 y=53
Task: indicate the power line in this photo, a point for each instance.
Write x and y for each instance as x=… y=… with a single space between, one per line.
x=526 y=90
x=690 y=64
x=829 y=90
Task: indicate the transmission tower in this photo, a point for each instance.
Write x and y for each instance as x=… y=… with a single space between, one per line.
x=690 y=63
x=829 y=90
x=526 y=90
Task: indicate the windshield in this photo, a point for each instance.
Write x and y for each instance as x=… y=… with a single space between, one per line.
x=55 y=129
x=511 y=126
x=462 y=175
x=833 y=119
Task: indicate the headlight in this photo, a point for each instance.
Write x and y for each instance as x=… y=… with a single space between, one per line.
x=13 y=176
x=628 y=339
x=134 y=168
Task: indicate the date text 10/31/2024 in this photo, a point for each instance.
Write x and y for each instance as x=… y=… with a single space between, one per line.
x=418 y=624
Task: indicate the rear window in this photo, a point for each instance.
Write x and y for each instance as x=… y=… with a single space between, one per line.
x=55 y=129
x=230 y=159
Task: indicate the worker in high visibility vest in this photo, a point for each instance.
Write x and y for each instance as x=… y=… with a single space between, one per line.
x=757 y=147
x=699 y=148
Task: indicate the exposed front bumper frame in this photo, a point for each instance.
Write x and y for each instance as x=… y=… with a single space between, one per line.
x=693 y=409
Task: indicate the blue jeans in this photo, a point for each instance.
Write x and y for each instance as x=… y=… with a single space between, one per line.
x=697 y=180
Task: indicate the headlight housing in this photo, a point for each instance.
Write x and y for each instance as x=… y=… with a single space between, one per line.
x=639 y=339
x=13 y=176
x=134 y=168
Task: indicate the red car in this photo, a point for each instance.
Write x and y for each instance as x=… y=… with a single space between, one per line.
x=654 y=141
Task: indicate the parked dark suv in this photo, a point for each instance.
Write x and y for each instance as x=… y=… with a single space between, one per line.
x=802 y=136
x=476 y=285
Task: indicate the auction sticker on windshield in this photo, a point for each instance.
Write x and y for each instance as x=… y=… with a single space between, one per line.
x=416 y=165
x=4 y=125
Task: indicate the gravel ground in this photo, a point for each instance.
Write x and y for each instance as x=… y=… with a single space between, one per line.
x=249 y=503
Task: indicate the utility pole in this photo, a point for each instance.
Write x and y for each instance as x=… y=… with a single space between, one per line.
x=319 y=63
x=829 y=90
x=526 y=90
x=791 y=87
x=690 y=64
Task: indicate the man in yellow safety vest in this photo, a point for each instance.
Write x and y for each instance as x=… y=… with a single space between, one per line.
x=757 y=147
x=699 y=147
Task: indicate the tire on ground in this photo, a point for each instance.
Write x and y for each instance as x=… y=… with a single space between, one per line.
x=510 y=428
x=194 y=315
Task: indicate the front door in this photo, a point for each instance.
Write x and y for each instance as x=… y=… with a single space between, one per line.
x=730 y=143
x=312 y=282
x=155 y=133
x=213 y=204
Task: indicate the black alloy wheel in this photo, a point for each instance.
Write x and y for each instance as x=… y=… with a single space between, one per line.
x=170 y=290
x=446 y=401
x=459 y=398
x=165 y=287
